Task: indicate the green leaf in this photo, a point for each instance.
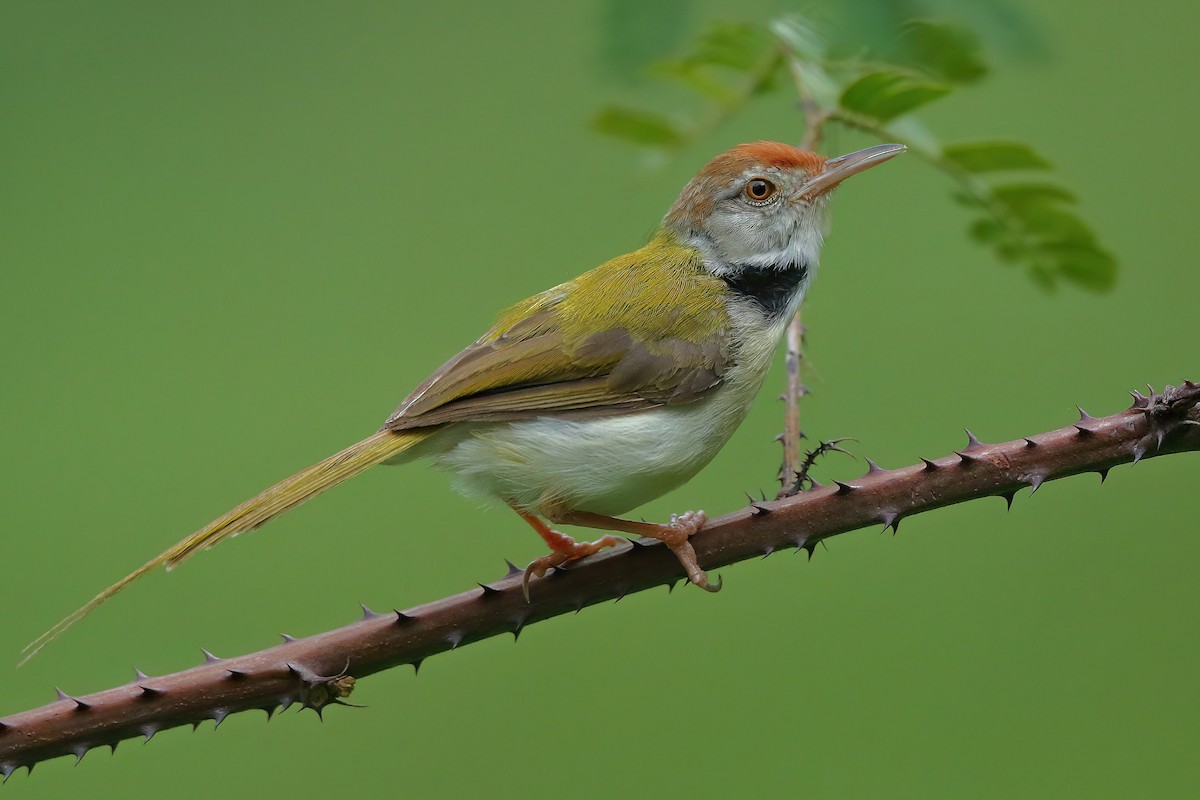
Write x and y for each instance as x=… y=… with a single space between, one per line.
x=640 y=127
x=884 y=95
x=1054 y=224
x=1016 y=194
x=991 y=156
x=695 y=77
x=1084 y=265
x=734 y=45
x=945 y=50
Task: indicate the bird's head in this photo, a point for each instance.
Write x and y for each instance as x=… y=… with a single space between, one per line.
x=762 y=205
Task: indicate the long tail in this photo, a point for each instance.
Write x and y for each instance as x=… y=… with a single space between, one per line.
x=256 y=511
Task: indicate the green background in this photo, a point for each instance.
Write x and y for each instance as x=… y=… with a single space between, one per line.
x=233 y=235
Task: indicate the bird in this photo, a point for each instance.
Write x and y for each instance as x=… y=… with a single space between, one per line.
x=600 y=394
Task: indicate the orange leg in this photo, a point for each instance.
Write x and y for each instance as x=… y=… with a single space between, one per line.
x=676 y=535
x=562 y=549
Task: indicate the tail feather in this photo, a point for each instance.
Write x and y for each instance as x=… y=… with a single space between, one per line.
x=256 y=511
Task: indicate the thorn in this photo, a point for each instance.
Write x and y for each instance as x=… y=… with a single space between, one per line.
x=1139 y=400
x=845 y=488
x=285 y=703
x=516 y=632
x=368 y=613
x=642 y=542
x=1084 y=431
x=768 y=550
x=758 y=509
x=1030 y=442
x=749 y=498
x=1035 y=482
x=811 y=547
x=404 y=619
x=455 y=639
x=1084 y=416
x=813 y=483
x=1009 y=497
x=930 y=466
x=138 y=675
x=872 y=468
x=416 y=665
x=79 y=704
x=1103 y=473
x=235 y=674
x=79 y=750
x=763 y=495
x=489 y=591
x=287 y=639
x=7 y=770
x=891 y=520
x=209 y=658
x=1160 y=434
x=972 y=440
x=513 y=569
x=965 y=458
x=149 y=692
x=1139 y=450
x=270 y=711
x=671 y=586
x=219 y=716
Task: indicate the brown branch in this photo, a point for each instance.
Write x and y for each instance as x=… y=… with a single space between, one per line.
x=320 y=670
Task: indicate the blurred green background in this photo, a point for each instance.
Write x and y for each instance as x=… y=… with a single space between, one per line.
x=234 y=235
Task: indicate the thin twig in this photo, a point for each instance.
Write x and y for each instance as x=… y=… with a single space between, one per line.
x=794 y=389
x=320 y=670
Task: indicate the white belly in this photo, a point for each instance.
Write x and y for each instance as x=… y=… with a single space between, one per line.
x=607 y=465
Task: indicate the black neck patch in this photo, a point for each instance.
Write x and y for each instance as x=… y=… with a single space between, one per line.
x=771 y=288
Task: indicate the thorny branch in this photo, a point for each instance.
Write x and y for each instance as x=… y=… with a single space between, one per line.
x=321 y=670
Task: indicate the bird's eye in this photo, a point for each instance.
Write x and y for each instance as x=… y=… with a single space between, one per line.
x=759 y=191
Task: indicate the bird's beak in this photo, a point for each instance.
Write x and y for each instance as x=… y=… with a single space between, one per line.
x=838 y=169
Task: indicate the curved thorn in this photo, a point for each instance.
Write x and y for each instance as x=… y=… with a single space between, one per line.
x=845 y=488
x=288 y=639
x=209 y=658
x=149 y=692
x=930 y=466
x=1030 y=442
x=368 y=613
x=513 y=569
x=972 y=439
x=219 y=716
x=1035 y=482
x=488 y=591
x=1009 y=497
x=1103 y=473
x=402 y=618
x=138 y=675
x=1083 y=415
x=872 y=467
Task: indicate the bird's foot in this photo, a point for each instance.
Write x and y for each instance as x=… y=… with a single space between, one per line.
x=563 y=549
x=677 y=535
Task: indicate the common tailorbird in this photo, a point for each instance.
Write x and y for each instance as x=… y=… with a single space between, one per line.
x=594 y=397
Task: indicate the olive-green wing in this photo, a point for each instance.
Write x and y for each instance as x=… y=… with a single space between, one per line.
x=540 y=360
